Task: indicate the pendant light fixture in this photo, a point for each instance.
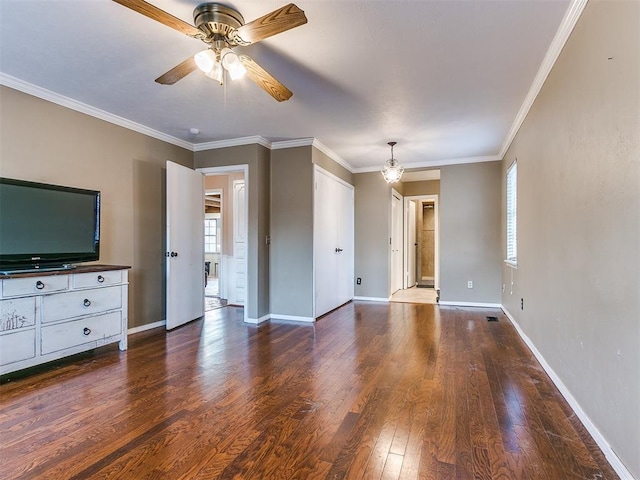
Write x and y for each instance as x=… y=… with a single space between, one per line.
x=392 y=171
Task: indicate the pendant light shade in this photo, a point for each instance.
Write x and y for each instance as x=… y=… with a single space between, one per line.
x=392 y=171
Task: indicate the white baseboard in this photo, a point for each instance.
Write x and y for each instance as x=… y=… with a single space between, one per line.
x=292 y=318
x=148 y=326
x=469 y=304
x=610 y=455
x=372 y=299
x=257 y=321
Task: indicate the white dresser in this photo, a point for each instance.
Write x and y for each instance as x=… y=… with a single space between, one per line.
x=45 y=316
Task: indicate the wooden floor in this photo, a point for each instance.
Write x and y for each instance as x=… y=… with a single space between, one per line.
x=370 y=391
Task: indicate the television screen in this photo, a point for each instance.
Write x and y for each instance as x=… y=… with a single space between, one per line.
x=44 y=224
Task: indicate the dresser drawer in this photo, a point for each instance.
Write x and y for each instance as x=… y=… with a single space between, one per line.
x=34 y=285
x=61 y=306
x=17 y=346
x=97 y=279
x=78 y=332
x=17 y=313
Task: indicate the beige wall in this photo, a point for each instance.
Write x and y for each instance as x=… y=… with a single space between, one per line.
x=469 y=211
x=44 y=142
x=292 y=232
x=324 y=161
x=426 y=187
x=372 y=232
x=578 y=272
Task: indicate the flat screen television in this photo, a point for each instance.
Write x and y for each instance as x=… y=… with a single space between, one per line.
x=45 y=227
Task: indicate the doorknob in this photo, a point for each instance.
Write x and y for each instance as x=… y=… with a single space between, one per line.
x=174 y=254
x=338 y=250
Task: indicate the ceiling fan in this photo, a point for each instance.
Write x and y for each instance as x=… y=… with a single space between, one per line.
x=221 y=28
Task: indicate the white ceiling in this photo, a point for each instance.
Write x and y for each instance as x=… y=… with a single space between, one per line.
x=445 y=79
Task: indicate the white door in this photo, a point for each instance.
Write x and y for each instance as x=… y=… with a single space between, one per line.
x=185 y=245
x=345 y=243
x=412 y=244
x=325 y=244
x=396 y=242
x=333 y=247
x=238 y=281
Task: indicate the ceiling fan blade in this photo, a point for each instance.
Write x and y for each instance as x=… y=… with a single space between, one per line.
x=265 y=80
x=178 y=72
x=278 y=21
x=161 y=16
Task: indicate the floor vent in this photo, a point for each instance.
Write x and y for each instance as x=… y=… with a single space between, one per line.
x=492 y=319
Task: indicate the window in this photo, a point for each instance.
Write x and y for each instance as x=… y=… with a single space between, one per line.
x=512 y=215
x=211 y=237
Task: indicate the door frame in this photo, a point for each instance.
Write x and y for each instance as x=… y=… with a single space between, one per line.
x=401 y=243
x=226 y=169
x=436 y=235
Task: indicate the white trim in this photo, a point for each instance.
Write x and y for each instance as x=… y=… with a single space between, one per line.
x=299 y=142
x=557 y=44
x=232 y=142
x=610 y=455
x=331 y=154
x=436 y=206
x=148 y=326
x=292 y=318
x=511 y=263
x=332 y=176
x=372 y=299
x=257 y=321
x=435 y=163
x=469 y=304
x=77 y=106
x=223 y=170
x=312 y=142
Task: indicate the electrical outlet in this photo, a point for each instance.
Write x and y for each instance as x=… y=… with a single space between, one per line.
x=470 y=284
x=504 y=288
x=358 y=281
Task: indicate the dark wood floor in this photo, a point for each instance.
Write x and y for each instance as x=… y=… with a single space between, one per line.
x=370 y=391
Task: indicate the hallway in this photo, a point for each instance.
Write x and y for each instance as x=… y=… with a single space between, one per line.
x=415 y=295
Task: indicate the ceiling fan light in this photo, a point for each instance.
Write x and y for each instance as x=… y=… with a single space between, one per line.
x=216 y=73
x=228 y=58
x=237 y=71
x=205 y=60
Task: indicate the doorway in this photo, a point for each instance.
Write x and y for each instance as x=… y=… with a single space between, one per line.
x=213 y=234
x=226 y=193
x=421 y=251
x=396 y=243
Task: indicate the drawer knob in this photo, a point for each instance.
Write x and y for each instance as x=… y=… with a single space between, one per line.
x=100 y=279
x=39 y=285
x=87 y=302
x=86 y=331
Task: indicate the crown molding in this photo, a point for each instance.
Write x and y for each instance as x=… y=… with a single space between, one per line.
x=557 y=44
x=233 y=142
x=439 y=163
x=44 y=94
x=300 y=142
x=333 y=156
